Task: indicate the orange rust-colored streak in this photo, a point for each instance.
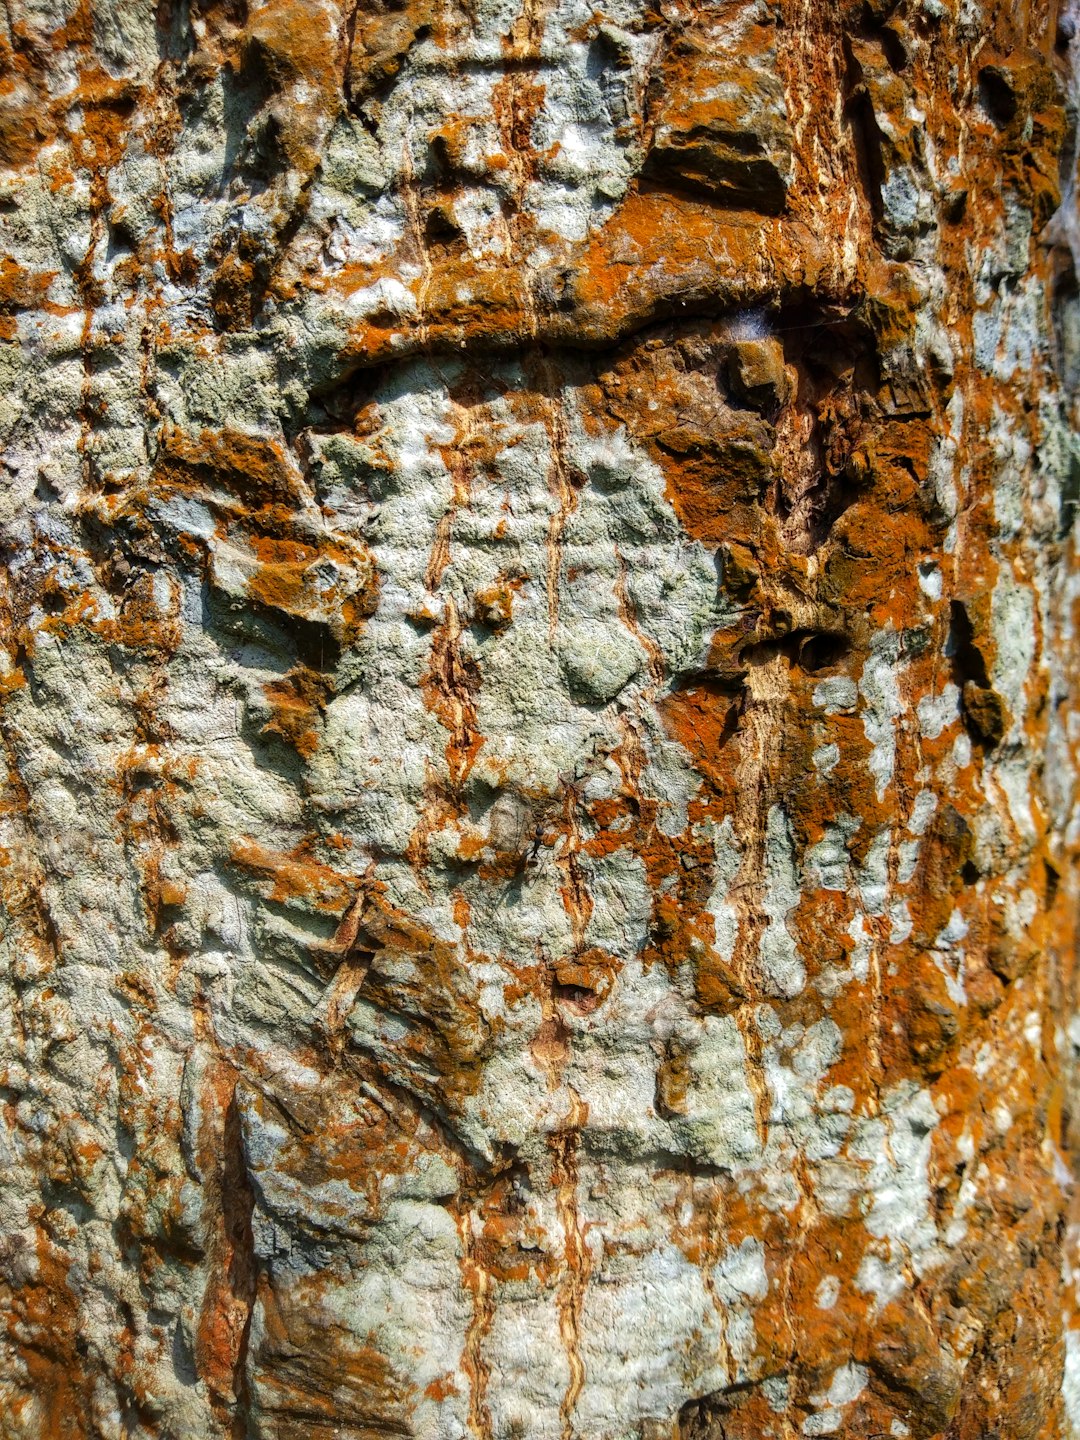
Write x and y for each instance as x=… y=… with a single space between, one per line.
x=455 y=458
x=449 y=685
x=477 y=1368
x=563 y=1147
x=225 y=1314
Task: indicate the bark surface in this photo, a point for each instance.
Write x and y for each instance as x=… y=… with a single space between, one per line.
x=539 y=713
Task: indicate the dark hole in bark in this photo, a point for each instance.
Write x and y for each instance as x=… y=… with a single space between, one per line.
x=997 y=97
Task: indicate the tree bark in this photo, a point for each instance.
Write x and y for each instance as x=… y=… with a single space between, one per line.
x=539 y=708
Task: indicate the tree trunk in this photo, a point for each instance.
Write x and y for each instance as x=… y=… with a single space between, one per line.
x=539 y=703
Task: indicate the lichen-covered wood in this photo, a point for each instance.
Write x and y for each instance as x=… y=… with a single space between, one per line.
x=540 y=721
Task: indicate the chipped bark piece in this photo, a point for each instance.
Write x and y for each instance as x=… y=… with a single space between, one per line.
x=382 y=36
x=756 y=370
x=986 y=711
x=720 y=122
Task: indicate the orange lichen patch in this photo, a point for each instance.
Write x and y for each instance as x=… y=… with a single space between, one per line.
x=76 y=609
x=583 y=980
x=235 y=281
x=20 y=289
x=328 y=581
x=296 y=708
x=464 y=300
x=106 y=106
x=717 y=122
x=270 y=545
x=506 y=1237
x=293 y=878
x=29 y=113
x=140 y=623
x=25 y=122
x=253 y=469
x=717 y=459
x=494 y=604
x=452 y=143
x=44 y=1322
x=337 y=1137
x=1022 y=119
x=441 y=1388
x=294 y=43
x=658 y=255
x=702 y=715
x=660 y=252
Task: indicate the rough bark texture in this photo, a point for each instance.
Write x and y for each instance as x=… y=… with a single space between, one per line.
x=540 y=719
